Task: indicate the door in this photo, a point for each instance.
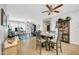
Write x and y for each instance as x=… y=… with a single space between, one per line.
x=48 y=28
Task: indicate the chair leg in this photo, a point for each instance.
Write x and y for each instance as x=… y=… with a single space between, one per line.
x=49 y=46
x=60 y=47
x=53 y=45
x=40 y=49
x=36 y=45
x=57 y=49
x=46 y=45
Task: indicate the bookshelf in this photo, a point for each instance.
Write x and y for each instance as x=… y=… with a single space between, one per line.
x=64 y=25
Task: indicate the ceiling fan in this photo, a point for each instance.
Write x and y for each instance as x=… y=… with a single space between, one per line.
x=51 y=9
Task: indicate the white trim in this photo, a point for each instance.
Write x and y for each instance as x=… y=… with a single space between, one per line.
x=77 y=43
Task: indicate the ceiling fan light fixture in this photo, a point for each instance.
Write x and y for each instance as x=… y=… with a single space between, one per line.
x=51 y=9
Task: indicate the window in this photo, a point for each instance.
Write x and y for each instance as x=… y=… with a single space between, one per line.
x=13 y=25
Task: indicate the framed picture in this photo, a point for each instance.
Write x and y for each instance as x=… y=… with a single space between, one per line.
x=3 y=18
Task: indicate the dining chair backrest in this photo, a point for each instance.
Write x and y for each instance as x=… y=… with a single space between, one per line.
x=38 y=34
x=59 y=37
x=55 y=34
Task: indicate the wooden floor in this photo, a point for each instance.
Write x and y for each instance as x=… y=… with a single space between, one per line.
x=28 y=48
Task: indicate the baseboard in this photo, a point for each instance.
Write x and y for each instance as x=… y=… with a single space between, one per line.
x=77 y=43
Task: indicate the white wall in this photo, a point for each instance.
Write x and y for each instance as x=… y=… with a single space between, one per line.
x=3 y=33
x=74 y=25
x=40 y=22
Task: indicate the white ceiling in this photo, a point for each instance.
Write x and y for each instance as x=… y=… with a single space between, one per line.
x=33 y=11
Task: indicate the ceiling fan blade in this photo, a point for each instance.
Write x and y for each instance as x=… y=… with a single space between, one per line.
x=56 y=11
x=45 y=11
x=58 y=6
x=48 y=6
x=49 y=13
x=51 y=6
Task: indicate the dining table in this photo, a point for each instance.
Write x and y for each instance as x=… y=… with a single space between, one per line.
x=47 y=36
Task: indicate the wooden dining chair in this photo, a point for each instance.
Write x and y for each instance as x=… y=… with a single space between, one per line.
x=39 y=40
x=56 y=42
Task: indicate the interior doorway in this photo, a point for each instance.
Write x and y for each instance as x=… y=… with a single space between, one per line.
x=46 y=26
